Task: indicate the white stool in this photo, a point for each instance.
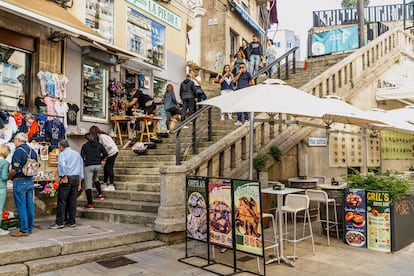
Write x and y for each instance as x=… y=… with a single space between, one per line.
x=273 y=243
x=322 y=197
x=293 y=205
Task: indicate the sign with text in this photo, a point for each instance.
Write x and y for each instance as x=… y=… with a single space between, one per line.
x=355 y=217
x=248 y=217
x=379 y=221
x=196 y=208
x=317 y=142
x=220 y=214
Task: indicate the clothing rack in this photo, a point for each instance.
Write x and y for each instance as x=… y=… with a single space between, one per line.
x=25 y=110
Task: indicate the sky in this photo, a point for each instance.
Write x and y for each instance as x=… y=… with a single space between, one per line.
x=296 y=15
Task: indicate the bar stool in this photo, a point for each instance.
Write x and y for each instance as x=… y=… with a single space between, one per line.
x=322 y=197
x=273 y=243
x=294 y=204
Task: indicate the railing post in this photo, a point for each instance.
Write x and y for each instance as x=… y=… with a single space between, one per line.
x=210 y=126
x=287 y=67
x=177 y=149
x=294 y=62
x=194 y=137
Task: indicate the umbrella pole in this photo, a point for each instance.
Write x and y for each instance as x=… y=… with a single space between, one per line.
x=251 y=145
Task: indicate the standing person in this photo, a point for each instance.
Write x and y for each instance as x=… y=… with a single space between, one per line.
x=270 y=55
x=139 y=99
x=243 y=80
x=256 y=53
x=112 y=150
x=201 y=96
x=246 y=51
x=70 y=173
x=170 y=104
x=23 y=186
x=240 y=58
x=92 y=153
x=188 y=96
x=4 y=175
x=226 y=85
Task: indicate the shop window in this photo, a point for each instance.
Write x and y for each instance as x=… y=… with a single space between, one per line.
x=146 y=38
x=94 y=94
x=99 y=15
x=14 y=77
x=159 y=88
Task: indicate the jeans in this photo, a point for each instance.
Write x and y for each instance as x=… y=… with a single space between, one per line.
x=239 y=116
x=109 y=168
x=270 y=60
x=254 y=64
x=67 y=200
x=3 y=194
x=23 y=198
x=187 y=104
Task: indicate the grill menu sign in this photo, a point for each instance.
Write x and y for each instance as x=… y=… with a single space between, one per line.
x=379 y=221
x=355 y=217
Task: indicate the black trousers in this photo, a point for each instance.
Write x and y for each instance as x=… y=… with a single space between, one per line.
x=67 y=200
x=187 y=104
x=109 y=168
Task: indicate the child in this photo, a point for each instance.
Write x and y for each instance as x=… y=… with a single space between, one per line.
x=4 y=172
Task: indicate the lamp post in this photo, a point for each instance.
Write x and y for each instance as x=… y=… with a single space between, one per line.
x=360 y=11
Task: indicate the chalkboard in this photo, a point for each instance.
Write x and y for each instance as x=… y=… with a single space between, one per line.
x=402 y=219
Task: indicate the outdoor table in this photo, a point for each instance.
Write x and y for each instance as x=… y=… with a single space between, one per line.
x=305 y=183
x=280 y=194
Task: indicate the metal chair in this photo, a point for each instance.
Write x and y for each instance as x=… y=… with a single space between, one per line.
x=293 y=205
x=322 y=197
x=273 y=243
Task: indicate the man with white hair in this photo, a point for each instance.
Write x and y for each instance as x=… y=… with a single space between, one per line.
x=23 y=186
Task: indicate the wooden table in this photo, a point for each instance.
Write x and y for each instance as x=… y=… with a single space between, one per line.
x=117 y=127
x=306 y=183
x=145 y=126
x=280 y=194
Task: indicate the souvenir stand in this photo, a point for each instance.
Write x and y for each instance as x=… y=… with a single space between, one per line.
x=223 y=213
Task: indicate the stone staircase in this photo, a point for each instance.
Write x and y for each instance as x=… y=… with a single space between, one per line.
x=137 y=177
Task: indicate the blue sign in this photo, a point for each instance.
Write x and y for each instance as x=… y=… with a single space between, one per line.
x=246 y=17
x=335 y=41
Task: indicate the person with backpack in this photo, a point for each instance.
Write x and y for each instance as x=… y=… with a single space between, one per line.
x=92 y=153
x=23 y=186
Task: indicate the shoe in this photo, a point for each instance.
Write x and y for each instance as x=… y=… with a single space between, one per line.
x=4 y=232
x=185 y=126
x=56 y=226
x=103 y=186
x=110 y=187
x=223 y=250
x=230 y=117
x=222 y=118
x=100 y=197
x=72 y=225
x=246 y=123
x=19 y=234
x=89 y=206
x=238 y=123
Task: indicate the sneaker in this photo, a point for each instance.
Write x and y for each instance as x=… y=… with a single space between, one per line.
x=56 y=226
x=222 y=118
x=89 y=206
x=103 y=186
x=238 y=123
x=19 y=234
x=110 y=187
x=4 y=232
x=185 y=126
x=230 y=117
x=246 y=123
x=72 y=225
x=100 y=197
x=223 y=250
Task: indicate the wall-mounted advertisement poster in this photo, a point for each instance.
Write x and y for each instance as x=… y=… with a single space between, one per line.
x=379 y=221
x=355 y=217
x=247 y=217
x=220 y=214
x=337 y=40
x=146 y=38
x=99 y=16
x=197 y=208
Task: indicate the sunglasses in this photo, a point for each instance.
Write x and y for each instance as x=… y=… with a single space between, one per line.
x=241 y=66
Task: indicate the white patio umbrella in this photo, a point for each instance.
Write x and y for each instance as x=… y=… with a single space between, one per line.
x=404 y=114
x=392 y=123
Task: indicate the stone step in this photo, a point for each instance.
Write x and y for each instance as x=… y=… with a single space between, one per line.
x=146 y=196
x=135 y=159
x=132 y=186
x=88 y=236
x=144 y=163
x=136 y=171
x=138 y=178
x=122 y=204
x=118 y=216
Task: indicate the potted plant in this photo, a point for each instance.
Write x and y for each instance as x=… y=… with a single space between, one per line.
x=275 y=153
x=259 y=164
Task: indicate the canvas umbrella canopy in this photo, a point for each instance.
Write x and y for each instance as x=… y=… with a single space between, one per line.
x=392 y=123
x=404 y=114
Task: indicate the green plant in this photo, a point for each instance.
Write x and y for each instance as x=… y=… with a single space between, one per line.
x=276 y=153
x=397 y=187
x=259 y=162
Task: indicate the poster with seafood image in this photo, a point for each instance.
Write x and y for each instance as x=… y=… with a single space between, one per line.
x=355 y=217
x=248 y=217
x=379 y=221
x=197 y=208
x=220 y=214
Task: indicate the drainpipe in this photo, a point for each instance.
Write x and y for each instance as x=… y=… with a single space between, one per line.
x=360 y=11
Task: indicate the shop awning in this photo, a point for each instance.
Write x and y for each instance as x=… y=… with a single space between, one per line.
x=246 y=17
x=403 y=92
x=50 y=14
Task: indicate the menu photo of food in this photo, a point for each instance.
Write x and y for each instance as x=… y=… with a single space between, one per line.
x=196 y=209
x=220 y=214
x=248 y=219
x=355 y=217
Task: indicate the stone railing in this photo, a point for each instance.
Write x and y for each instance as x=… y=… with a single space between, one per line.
x=228 y=158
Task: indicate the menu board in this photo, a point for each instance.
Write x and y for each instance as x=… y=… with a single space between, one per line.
x=395 y=145
x=337 y=150
x=374 y=152
x=220 y=214
x=247 y=217
x=197 y=208
x=354 y=150
x=355 y=217
x=378 y=218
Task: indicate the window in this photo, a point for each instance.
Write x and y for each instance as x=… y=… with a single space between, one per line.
x=289 y=45
x=233 y=43
x=99 y=15
x=278 y=44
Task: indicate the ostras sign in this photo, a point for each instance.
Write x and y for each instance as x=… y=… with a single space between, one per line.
x=159 y=12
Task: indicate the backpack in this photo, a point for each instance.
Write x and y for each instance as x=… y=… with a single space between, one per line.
x=32 y=166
